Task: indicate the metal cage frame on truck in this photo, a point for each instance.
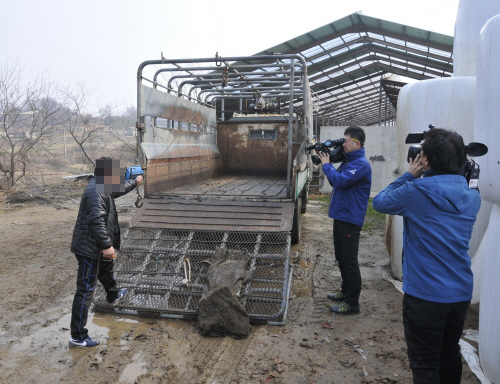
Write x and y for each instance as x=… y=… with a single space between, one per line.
x=189 y=209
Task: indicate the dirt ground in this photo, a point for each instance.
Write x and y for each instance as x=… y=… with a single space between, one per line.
x=37 y=283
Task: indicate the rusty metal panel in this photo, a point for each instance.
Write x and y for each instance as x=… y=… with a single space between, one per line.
x=241 y=155
x=167 y=106
x=164 y=175
x=216 y=215
x=179 y=158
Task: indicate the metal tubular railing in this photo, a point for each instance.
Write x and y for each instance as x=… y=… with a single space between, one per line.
x=282 y=83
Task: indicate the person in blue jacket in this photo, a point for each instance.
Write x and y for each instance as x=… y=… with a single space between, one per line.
x=439 y=211
x=351 y=184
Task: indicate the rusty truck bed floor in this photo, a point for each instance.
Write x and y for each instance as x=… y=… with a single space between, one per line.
x=246 y=186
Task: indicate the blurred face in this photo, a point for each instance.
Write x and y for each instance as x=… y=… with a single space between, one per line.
x=110 y=176
x=350 y=145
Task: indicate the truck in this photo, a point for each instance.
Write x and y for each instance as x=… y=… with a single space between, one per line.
x=223 y=148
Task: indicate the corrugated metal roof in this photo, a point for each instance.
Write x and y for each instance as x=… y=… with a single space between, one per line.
x=348 y=58
x=347 y=61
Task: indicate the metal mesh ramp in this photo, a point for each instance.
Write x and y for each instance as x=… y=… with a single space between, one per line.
x=151 y=265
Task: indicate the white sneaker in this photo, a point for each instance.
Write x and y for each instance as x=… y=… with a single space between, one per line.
x=83 y=343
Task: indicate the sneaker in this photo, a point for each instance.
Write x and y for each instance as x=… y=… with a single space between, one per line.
x=121 y=294
x=337 y=297
x=83 y=343
x=345 y=309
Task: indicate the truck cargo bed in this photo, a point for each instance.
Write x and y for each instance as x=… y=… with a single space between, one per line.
x=244 y=186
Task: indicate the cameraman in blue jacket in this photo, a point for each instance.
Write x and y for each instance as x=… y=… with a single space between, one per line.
x=351 y=183
x=439 y=211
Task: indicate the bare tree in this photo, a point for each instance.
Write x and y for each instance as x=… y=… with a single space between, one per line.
x=27 y=115
x=82 y=126
x=118 y=124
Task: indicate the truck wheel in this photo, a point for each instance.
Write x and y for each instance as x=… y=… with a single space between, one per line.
x=297 y=221
x=304 y=196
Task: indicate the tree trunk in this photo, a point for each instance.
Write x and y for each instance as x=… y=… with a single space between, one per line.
x=12 y=169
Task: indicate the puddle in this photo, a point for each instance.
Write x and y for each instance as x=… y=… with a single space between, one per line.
x=109 y=329
x=303 y=286
x=121 y=328
x=178 y=324
x=54 y=335
x=133 y=370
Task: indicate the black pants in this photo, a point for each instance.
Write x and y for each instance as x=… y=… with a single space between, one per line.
x=88 y=270
x=432 y=331
x=346 y=243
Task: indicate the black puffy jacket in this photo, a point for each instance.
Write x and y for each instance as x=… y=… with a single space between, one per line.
x=96 y=227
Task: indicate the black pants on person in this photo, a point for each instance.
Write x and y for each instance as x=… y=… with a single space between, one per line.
x=346 y=243
x=89 y=270
x=432 y=331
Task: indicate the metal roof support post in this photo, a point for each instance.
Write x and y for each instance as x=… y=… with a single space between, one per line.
x=385 y=112
x=380 y=105
x=241 y=105
x=316 y=127
x=222 y=110
x=290 y=127
x=296 y=129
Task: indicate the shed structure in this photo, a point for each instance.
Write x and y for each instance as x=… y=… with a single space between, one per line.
x=355 y=67
x=350 y=63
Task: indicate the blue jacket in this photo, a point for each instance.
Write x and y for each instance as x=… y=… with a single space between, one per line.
x=439 y=213
x=351 y=188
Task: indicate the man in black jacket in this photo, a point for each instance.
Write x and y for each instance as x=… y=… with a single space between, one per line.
x=95 y=238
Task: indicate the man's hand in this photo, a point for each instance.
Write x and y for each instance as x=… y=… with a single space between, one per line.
x=139 y=179
x=108 y=253
x=416 y=168
x=324 y=157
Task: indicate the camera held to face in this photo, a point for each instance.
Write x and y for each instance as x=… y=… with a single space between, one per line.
x=470 y=169
x=332 y=147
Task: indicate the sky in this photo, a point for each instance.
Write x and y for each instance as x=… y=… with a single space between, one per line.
x=100 y=43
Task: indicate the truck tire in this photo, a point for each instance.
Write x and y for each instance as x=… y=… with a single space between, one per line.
x=304 y=196
x=297 y=222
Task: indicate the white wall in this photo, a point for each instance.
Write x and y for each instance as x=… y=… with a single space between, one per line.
x=381 y=151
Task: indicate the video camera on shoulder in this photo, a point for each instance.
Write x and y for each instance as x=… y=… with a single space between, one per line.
x=470 y=169
x=332 y=147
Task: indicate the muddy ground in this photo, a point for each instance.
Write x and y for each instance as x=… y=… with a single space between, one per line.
x=37 y=283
